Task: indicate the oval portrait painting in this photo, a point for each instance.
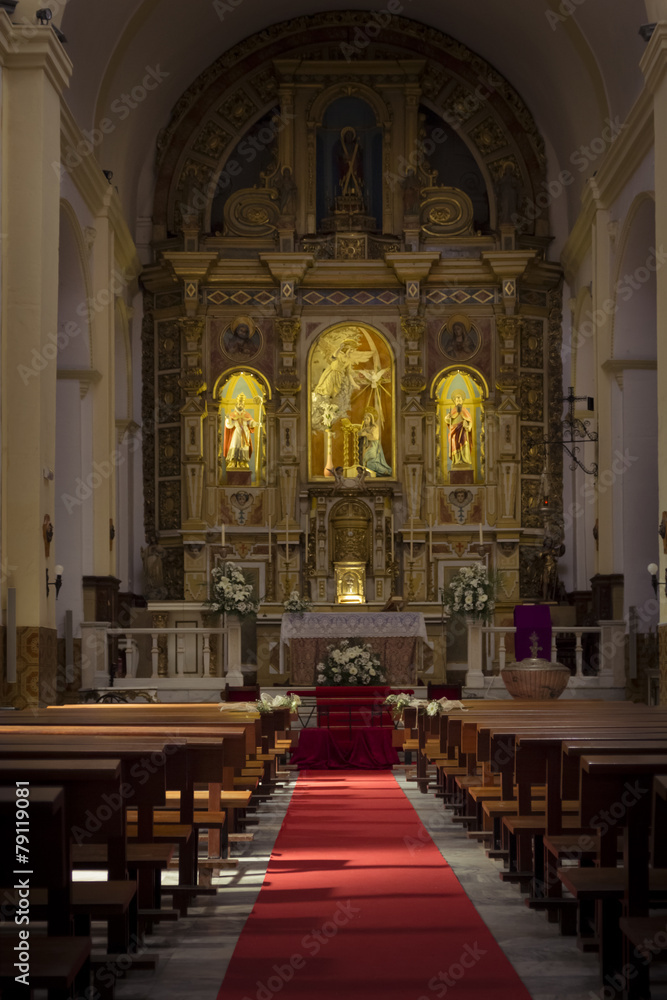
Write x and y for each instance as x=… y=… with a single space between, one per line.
x=241 y=340
x=459 y=340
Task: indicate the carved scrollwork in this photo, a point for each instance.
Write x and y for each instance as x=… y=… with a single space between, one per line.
x=446 y=211
x=532 y=344
x=350 y=544
x=413 y=382
x=531 y=393
x=252 y=212
x=530 y=503
x=532 y=451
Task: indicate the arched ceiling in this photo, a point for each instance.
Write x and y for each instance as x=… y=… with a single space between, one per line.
x=573 y=71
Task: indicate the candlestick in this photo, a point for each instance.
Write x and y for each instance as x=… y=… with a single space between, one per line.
x=223 y=535
x=287 y=541
x=412 y=539
x=270 y=546
x=391 y=530
x=481 y=536
x=430 y=540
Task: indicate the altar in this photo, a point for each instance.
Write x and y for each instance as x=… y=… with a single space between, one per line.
x=397 y=638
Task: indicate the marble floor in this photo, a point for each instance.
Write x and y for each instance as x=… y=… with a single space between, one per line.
x=194 y=951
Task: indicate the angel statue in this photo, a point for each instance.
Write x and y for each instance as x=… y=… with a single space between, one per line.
x=337 y=380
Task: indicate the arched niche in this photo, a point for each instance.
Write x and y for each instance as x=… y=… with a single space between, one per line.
x=349 y=158
x=351 y=412
x=351 y=549
x=460 y=395
x=242 y=450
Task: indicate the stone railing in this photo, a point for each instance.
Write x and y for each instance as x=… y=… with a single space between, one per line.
x=609 y=675
x=215 y=653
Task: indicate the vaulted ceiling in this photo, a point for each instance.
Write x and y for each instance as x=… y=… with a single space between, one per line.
x=573 y=70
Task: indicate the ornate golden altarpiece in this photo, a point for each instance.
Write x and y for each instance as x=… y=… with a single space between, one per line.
x=351 y=345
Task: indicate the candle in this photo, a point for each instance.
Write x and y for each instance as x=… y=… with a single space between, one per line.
x=223 y=535
x=270 y=546
x=430 y=540
x=481 y=536
x=412 y=538
x=391 y=530
x=287 y=541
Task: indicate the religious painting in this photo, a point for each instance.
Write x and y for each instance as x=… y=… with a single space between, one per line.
x=459 y=340
x=460 y=435
x=242 y=432
x=241 y=340
x=351 y=412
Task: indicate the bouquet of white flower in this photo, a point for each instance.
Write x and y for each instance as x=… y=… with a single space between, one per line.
x=398 y=701
x=443 y=705
x=470 y=592
x=348 y=664
x=296 y=605
x=232 y=592
x=291 y=701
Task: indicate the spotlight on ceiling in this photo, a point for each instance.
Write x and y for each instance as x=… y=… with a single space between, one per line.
x=646 y=31
x=44 y=15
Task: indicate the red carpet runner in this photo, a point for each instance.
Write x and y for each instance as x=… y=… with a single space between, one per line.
x=358 y=903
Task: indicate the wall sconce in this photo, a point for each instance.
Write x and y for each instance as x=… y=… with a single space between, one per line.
x=57 y=583
x=653 y=570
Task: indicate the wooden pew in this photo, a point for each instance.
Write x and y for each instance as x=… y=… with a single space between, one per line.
x=55 y=962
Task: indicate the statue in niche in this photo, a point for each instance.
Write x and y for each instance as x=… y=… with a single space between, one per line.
x=287 y=191
x=411 y=193
x=239 y=428
x=370 y=446
x=508 y=194
x=459 y=436
x=152 y=557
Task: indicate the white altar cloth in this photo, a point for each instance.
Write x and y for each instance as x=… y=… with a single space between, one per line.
x=351 y=624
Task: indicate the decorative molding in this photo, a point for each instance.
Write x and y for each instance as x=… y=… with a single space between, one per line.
x=84 y=376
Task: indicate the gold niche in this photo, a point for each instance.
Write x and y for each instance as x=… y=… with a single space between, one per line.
x=350 y=583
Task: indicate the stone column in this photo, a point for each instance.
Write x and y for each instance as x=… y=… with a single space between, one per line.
x=35 y=69
x=654 y=66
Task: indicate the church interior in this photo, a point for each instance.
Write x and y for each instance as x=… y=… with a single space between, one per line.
x=329 y=375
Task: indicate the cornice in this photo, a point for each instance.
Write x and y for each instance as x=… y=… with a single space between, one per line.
x=37 y=49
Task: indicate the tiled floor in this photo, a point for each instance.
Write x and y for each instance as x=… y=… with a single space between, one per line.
x=194 y=951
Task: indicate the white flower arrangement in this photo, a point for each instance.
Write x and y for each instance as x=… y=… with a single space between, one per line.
x=470 y=592
x=348 y=664
x=291 y=701
x=296 y=605
x=442 y=706
x=231 y=592
x=398 y=701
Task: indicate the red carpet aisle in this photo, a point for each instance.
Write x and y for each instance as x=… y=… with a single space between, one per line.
x=358 y=903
